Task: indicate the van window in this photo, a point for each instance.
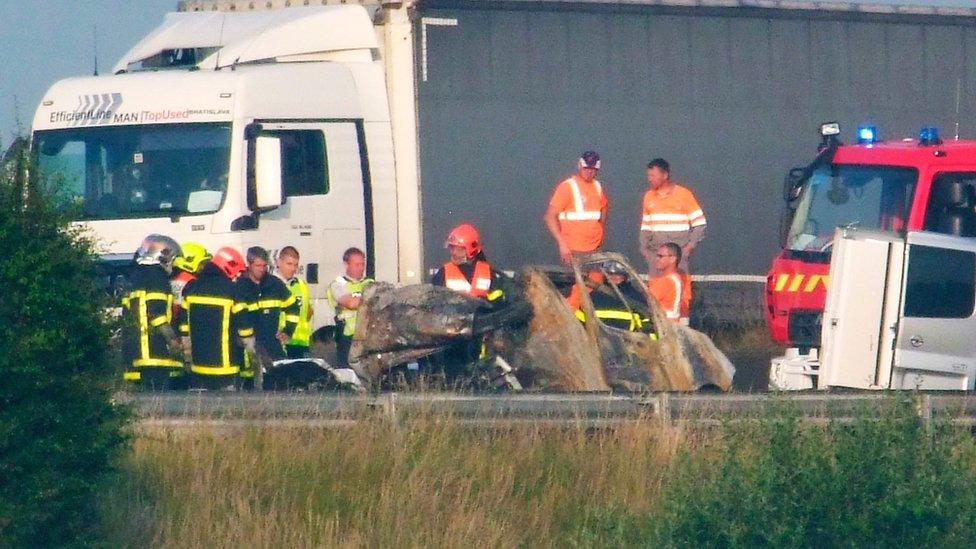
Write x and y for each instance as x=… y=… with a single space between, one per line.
x=941 y=283
x=304 y=168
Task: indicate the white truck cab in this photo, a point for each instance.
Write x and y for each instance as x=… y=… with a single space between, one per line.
x=899 y=315
x=267 y=128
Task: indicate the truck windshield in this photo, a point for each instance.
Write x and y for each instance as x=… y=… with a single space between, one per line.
x=137 y=171
x=870 y=197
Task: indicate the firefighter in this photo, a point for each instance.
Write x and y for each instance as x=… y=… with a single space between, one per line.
x=671 y=288
x=149 y=339
x=185 y=269
x=671 y=213
x=216 y=323
x=468 y=270
x=345 y=294
x=625 y=310
x=286 y=268
x=268 y=300
x=577 y=211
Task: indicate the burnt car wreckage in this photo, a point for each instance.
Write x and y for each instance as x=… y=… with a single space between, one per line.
x=534 y=340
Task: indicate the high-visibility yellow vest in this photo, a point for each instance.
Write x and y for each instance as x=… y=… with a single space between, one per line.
x=348 y=316
x=303 y=331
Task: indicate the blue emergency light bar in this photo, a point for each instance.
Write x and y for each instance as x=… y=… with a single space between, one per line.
x=867 y=135
x=929 y=136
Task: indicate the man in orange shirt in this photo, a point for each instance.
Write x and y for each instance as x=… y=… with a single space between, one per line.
x=671 y=288
x=577 y=210
x=670 y=214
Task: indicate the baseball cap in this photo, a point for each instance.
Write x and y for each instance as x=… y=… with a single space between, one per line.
x=590 y=159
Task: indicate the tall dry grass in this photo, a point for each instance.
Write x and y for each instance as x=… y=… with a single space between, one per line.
x=428 y=483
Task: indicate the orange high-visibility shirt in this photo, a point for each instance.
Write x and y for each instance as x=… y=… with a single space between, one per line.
x=673 y=293
x=674 y=212
x=580 y=206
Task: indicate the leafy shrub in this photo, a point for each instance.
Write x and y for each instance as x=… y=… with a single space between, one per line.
x=59 y=431
x=883 y=480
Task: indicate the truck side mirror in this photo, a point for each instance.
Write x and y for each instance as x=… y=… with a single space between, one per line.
x=793 y=184
x=267 y=172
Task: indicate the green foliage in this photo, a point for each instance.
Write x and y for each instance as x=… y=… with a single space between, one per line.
x=883 y=480
x=59 y=431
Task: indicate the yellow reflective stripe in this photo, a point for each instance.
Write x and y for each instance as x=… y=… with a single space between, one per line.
x=184 y=328
x=781 y=281
x=814 y=280
x=125 y=302
x=292 y=318
x=652 y=336
x=291 y=300
x=150 y=362
x=157 y=295
x=247 y=374
x=269 y=303
x=243 y=307
x=131 y=376
x=797 y=281
x=158 y=321
x=494 y=294
x=245 y=332
x=208 y=300
x=614 y=315
x=215 y=370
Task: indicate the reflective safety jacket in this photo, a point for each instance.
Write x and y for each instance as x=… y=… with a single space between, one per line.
x=475 y=279
x=673 y=293
x=477 y=286
x=580 y=206
x=302 y=335
x=267 y=301
x=347 y=317
x=147 y=308
x=176 y=287
x=214 y=316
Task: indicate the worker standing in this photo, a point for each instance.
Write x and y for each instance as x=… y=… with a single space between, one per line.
x=268 y=299
x=345 y=294
x=671 y=287
x=468 y=271
x=577 y=211
x=670 y=214
x=286 y=268
x=216 y=323
x=148 y=338
x=185 y=268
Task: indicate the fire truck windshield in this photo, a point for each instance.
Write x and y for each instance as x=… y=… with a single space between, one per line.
x=136 y=171
x=870 y=197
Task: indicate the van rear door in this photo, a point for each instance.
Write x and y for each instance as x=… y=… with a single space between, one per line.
x=862 y=303
x=936 y=347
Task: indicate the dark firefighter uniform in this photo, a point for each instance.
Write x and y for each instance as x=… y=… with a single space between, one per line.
x=148 y=308
x=268 y=302
x=214 y=317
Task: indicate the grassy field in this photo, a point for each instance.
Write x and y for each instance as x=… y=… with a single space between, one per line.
x=770 y=481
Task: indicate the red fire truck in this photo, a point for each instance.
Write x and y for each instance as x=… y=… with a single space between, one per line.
x=915 y=184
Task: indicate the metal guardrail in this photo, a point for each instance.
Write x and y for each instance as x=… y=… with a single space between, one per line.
x=331 y=410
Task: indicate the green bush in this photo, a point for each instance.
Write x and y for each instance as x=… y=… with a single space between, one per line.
x=59 y=431
x=883 y=480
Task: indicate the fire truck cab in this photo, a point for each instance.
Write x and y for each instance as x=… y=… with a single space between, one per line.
x=872 y=215
x=917 y=184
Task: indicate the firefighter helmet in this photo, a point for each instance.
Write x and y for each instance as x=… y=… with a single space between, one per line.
x=192 y=258
x=465 y=236
x=157 y=249
x=229 y=261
